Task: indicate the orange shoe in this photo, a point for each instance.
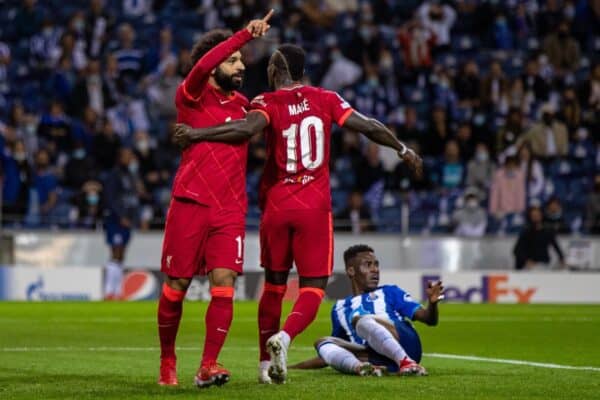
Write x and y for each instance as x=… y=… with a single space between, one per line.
x=410 y=367
x=211 y=373
x=168 y=372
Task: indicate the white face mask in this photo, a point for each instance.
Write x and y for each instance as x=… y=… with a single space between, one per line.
x=482 y=156
x=472 y=203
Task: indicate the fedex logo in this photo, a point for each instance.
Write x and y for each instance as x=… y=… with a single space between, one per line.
x=492 y=289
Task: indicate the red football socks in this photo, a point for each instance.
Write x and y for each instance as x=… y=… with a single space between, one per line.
x=304 y=311
x=269 y=315
x=170 y=307
x=218 y=320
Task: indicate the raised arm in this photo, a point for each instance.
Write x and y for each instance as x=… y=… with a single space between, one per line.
x=198 y=76
x=230 y=132
x=380 y=134
x=430 y=314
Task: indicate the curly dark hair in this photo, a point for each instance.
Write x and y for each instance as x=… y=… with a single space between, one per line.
x=207 y=41
x=352 y=252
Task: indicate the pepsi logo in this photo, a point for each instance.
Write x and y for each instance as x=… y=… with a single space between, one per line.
x=140 y=285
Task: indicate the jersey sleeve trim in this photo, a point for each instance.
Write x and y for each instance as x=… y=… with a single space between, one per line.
x=264 y=113
x=345 y=116
x=413 y=311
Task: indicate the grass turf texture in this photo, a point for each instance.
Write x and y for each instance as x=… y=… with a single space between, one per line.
x=110 y=351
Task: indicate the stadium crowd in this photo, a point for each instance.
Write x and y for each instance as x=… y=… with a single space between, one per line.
x=502 y=98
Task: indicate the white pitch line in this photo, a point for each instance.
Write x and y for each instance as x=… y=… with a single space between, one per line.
x=513 y=362
x=306 y=348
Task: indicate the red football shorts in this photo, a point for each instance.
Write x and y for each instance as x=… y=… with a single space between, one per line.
x=199 y=239
x=304 y=237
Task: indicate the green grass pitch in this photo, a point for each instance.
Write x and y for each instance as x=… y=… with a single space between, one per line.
x=110 y=351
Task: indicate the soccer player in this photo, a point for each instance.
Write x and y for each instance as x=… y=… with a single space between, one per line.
x=295 y=196
x=371 y=327
x=204 y=232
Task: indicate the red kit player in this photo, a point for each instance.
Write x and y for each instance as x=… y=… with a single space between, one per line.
x=204 y=232
x=295 y=196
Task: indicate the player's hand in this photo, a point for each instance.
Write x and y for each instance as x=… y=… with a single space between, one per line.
x=182 y=136
x=413 y=161
x=258 y=27
x=125 y=222
x=435 y=292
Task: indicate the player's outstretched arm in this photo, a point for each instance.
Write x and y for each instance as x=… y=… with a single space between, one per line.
x=380 y=134
x=430 y=315
x=230 y=132
x=313 y=363
x=198 y=76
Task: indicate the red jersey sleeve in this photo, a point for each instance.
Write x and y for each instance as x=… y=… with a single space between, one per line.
x=193 y=84
x=259 y=104
x=339 y=108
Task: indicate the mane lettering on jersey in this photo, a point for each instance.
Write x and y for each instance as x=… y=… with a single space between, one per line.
x=299 y=108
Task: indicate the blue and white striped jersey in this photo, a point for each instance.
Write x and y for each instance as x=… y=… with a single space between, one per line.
x=388 y=302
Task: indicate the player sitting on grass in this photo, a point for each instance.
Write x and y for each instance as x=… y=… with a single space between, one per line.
x=370 y=328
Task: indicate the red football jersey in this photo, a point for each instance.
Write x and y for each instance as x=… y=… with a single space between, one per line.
x=296 y=174
x=213 y=174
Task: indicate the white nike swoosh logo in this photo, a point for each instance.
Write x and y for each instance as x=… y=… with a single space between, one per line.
x=221 y=330
x=224 y=101
x=238 y=261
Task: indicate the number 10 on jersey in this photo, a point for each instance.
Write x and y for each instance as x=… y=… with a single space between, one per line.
x=311 y=158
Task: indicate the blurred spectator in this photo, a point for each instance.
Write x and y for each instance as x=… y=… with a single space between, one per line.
x=161 y=92
x=434 y=141
x=7 y=71
x=562 y=49
x=55 y=129
x=533 y=83
x=570 y=110
x=548 y=138
x=553 y=216
x=44 y=47
x=592 y=209
x=507 y=192
x=98 y=25
x=590 y=91
x=370 y=171
x=16 y=177
x=25 y=126
x=503 y=35
x=356 y=218
x=531 y=249
x=164 y=52
x=128 y=116
x=471 y=219
x=549 y=17
x=480 y=170
x=465 y=140
x=106 y=146
x=439 y=19
x=417 y=42
x=91 y=91
x=79 y=169
x=493 y=86
x=88 y=208
x=410 y=130
x=582 y=146
x=122 y=188
x=451 y=171
x=467 y=85
x=72 y=51
x=130 y=60
x=510 y=133
x=62 y=80
x=533 y=172
x=44 y=195
x=28 y=20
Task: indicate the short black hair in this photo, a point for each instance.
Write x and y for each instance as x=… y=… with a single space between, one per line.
x=207 y=41
x=294 y=56
x=352 y=251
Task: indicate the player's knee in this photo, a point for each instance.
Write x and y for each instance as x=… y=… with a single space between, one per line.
x=180 y=284
x=222 y=277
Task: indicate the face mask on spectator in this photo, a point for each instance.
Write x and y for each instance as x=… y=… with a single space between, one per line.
x=93 y=199
x=482 y=156
x=582 y=134
x=472 y=203
x=79 y=154
x=569 y=11
x=365 y=33
x=19 y=156
x=133 y=167
x=143 y=145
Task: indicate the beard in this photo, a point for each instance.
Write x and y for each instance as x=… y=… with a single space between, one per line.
x=229 y=82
